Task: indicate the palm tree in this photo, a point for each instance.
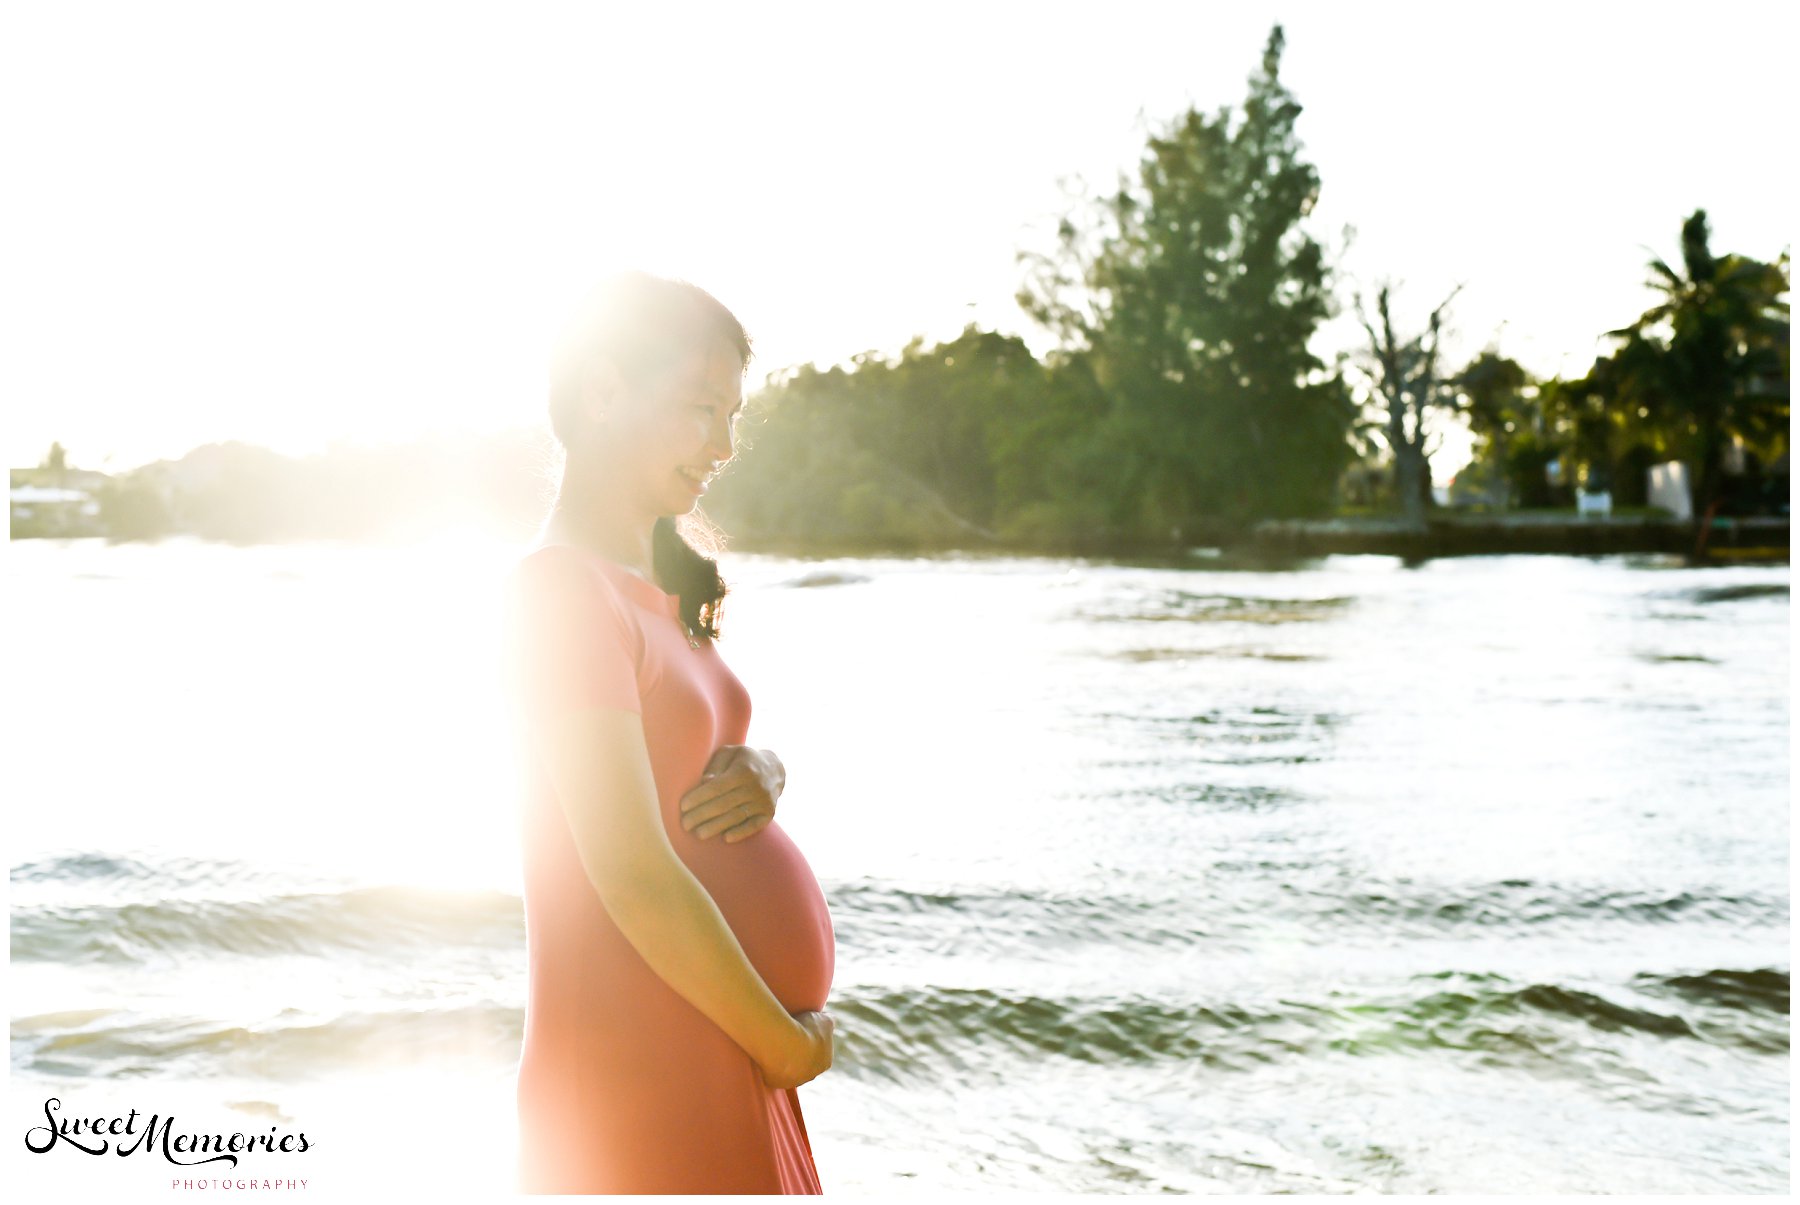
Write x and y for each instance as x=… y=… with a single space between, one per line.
x=1709 y=360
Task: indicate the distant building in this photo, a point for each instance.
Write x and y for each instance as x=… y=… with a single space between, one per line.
x=1669 y=489
x=56 y=502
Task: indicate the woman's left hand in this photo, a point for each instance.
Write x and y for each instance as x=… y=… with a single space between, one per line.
x=736 y=795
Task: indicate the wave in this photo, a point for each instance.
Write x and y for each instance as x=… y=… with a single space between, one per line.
x=826 y=577
x=1229 y=900
x=905 y=1034
x=1234 y=898
x=1189 y=606
x=898 y=1034
x=396 y=919
x=1750 y=991
x=110 y=1043
x=120 y=875
x=384 y=919
x=1520 y=902
x=1194 y=654
x=1712 y=594
x=81 y=866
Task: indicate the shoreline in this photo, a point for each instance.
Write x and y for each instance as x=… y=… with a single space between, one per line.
x=1750 y=537
x=1745 y=539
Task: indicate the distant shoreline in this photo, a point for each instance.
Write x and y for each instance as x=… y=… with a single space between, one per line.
x=1753 y=538
x=1764 y=537
x=1747 y=539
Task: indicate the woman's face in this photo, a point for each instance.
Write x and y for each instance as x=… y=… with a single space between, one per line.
x=676 y=436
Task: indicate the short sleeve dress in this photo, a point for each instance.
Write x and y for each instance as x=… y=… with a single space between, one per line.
x=623 y=1086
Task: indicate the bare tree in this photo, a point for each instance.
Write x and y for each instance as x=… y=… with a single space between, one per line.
x=1406 y=376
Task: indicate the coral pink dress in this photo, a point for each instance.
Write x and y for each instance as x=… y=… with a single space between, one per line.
x=625 y=1087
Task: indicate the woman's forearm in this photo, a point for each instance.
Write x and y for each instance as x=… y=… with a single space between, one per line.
x=678 y=929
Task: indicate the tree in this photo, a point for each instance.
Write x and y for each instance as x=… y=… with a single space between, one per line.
x=1192 y=294
x=1405 y=378
x=1496 y=396
x=1708 y=361
x=936 y=447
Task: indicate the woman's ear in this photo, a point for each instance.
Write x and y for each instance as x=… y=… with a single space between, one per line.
x=601 y=386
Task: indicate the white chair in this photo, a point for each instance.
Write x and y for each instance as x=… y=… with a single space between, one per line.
x=1598 y=503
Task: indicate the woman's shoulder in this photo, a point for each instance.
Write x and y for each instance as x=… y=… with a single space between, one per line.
x=559 y=559
x=545 y=562
x=563 y=570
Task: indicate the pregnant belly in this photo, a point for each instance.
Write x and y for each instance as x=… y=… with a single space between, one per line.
x=773 y=903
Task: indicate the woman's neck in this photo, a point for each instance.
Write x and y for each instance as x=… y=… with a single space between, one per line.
x=605 y=527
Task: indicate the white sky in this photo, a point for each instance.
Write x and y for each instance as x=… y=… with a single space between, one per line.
x=298 y=224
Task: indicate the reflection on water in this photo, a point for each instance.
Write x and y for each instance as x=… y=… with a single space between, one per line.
x=1466 y=876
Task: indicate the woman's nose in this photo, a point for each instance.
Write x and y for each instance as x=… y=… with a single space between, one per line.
x=719 y=441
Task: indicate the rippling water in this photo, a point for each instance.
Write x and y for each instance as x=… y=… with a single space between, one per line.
x=1467 y=876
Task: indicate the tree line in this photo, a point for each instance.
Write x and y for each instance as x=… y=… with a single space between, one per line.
x=1181 y=400
x=1179 y=404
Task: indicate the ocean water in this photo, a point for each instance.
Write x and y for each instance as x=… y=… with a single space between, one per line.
x=1197 y=876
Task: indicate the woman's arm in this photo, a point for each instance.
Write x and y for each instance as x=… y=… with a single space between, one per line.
x=599 y=765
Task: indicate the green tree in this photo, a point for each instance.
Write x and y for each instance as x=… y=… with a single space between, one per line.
x=1190 y=296
x=934 y=447
x=1707 y=362
x=1498 y=400
x=939 y=415
x=134 y=507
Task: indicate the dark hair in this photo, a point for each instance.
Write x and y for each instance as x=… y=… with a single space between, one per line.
x=648 y=327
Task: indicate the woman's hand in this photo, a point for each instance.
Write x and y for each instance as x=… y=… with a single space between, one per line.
x=736 y=795
x=809 y=1058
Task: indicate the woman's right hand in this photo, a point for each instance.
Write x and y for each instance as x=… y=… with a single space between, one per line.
x=809 y=1056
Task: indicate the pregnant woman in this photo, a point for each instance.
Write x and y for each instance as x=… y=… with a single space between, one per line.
x=679 y=946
